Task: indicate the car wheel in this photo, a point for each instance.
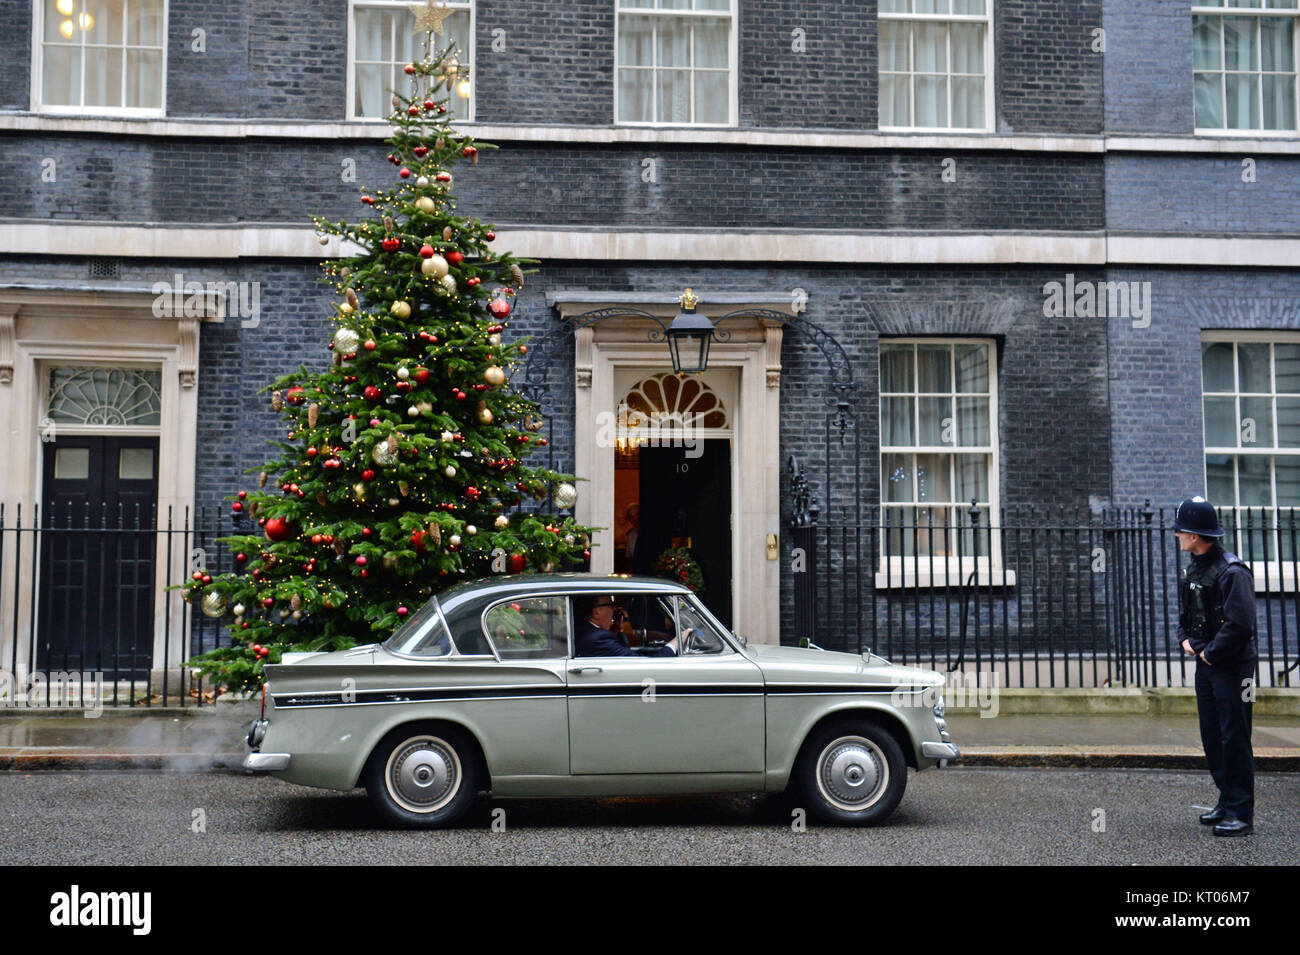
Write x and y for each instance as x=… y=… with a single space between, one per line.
x=852 y=773
x=423 y=779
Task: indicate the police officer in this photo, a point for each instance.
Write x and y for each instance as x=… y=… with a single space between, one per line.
x=1216 y=600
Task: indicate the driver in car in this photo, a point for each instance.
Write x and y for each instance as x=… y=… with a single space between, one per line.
x=598 y=636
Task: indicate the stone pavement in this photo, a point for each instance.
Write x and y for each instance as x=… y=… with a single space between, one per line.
x=1162 y=735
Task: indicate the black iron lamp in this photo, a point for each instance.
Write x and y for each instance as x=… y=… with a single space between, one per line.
x=689 y=336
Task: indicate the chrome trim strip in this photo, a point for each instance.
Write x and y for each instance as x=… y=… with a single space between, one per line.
x=939 y=751
x=266 y=762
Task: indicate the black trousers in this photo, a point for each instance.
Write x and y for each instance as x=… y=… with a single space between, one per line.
x=1225 y=733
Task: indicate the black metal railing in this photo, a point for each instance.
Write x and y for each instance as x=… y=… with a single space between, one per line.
x=85 y=602
x=1044 y=597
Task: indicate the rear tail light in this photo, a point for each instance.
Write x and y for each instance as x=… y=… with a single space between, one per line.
x=263 y=713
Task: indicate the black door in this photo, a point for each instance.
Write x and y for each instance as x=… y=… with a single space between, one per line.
x=686 y=497
x=96 y=593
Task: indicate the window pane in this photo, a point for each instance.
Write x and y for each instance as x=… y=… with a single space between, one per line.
x=634 y=96
x=61 y=76
x=712 y=43
x=1287 y=370
x=1220 y=423
x=635 y=41
x=1277 y=44
x=144 y=23
x=893 y=45
x=1209 y=100
x=932 y=479
x=934 y=365
x=1257 y=422
x=1279 y=102
x=528 y=628
x=973 y=422
x=935 y=424
x=931 y=101
x=712 y=4
x=968 y=7
x=895 y=6
x=1243 y=101
x=931 y=47
x=967 y=48
x=135 y=464
x=103 y=76
x=1254 y=481
x=373 y=31
x=1253 y=372
x=144 y=79
x=896 y=422
x=896 y=368
x=1206 y=54
x=972 y=477
x=968 y=102
x=71 y=464
x=1239 y=50
x=896 y=477
x=972 y=368
x=899 y=537
x=369 y=96
x=60 y=26
x=1216 y=367
x=712 y=98
x=1288 y=481
x=674 y=91
x=671 y=42
x=932 y=6
x=102 y=21
x=1288 y=422
x=1220 y=483
x=893 y=100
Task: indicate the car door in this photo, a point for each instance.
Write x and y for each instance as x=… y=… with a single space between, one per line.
x=699 y=712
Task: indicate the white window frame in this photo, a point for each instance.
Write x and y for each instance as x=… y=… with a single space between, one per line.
x=466 y=57
x=1224 y=11
x=56 y=109
x=733 y=52
x=898 y=572
x=987 y=20
x=1270 y=575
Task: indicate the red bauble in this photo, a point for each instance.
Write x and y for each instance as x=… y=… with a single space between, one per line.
x=453 y=257
x=417 y=540
x=499 y=307
x=268 y=602
x=421 y=376
x=236 y=507
x=426 y=251
x=469 y=151
x=420 y=151
x=372 y=393
x=294 y=395
x=278 y=529
x=391 y=244
x=241 y=557
x=375 y=422
x=516 y=563
x=312 y=452
x=413 y=111
x=361 y=560
x=409 y=69
x=429 y=104
x=242 y=495
x=404 y=173
x=370 y=344
x=367 y=475
x=402 y=611
x=490 y=236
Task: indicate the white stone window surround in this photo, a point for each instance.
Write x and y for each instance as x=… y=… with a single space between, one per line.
x=437 y=42
x=1270 y=8
x=40 y=11
x=42 y=328
x=693 y=10
x=908 y=14
x=898 y=571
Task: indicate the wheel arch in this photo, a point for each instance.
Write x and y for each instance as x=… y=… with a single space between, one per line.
x=428 y=724
x=886 y=719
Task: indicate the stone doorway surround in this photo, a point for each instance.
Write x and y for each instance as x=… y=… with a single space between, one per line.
x=755 y=352
x=101 y=326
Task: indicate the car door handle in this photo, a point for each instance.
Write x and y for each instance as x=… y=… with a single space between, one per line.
x=586 y=670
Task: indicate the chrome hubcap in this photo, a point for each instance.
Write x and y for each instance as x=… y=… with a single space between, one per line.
x=852 y=773
x=423 y=774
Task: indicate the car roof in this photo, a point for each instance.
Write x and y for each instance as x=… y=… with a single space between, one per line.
x=570 y=583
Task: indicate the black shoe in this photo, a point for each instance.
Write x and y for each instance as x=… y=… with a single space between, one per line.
x=1233 y=827
x=1215 y=815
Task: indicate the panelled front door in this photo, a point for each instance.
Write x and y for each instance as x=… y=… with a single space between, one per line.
x=96 y=589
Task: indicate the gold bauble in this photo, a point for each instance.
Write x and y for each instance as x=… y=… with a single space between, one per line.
x=400 y=309
x=566 y=495
x=448 y=282
x=359 y=491
x=494 y=340
x=346 y=341
x=214 y=604
x=485 y=415
x=425 y=204
x=434 y=265
x=494 y=375
x=501 y=521
x=382 y=455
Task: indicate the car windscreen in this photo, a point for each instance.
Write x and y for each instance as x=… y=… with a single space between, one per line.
x=422 y=635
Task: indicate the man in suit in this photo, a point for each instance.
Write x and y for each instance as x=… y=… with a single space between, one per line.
x=595 y=636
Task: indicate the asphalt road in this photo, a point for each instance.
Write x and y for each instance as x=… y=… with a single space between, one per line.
x=949 y=817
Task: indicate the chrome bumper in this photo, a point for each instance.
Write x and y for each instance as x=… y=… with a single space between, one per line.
x=266 y=762
x=940 y=751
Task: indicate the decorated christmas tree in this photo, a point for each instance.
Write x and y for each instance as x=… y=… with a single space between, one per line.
x=402 y=470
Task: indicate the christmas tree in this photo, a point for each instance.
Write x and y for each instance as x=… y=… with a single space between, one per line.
x=403 y=465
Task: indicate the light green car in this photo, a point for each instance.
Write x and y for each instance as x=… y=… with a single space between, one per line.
x=506 y=685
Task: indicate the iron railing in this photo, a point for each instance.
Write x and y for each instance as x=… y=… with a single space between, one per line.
x=1043 y=597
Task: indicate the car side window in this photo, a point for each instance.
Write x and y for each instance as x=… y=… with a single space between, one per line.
x=698 y=634
x=529 y=628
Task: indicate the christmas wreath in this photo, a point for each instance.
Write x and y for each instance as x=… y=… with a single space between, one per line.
x=676 y=563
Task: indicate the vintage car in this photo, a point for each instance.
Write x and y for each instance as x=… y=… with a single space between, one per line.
x=487 y=687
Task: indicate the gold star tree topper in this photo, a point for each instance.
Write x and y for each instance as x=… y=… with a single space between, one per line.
x=429 y=16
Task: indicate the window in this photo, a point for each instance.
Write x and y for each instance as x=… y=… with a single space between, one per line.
x=938 y=411
x=529 y=628
x=674 y=62
x=1244 y=64
x=384 y=39
x=100 y=56
x=1251 y=398
x=934 y=64
x=422 y=634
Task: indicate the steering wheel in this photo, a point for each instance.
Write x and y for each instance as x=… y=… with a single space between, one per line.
x=694 y=641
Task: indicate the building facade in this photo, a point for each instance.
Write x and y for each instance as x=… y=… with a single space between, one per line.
x=1055 y=242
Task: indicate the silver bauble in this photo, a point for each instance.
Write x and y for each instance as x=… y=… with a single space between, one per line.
x=346 y=341
x=566 y=495
x=214 y=604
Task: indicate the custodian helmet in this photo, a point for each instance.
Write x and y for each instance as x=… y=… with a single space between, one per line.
x=1196 y=515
